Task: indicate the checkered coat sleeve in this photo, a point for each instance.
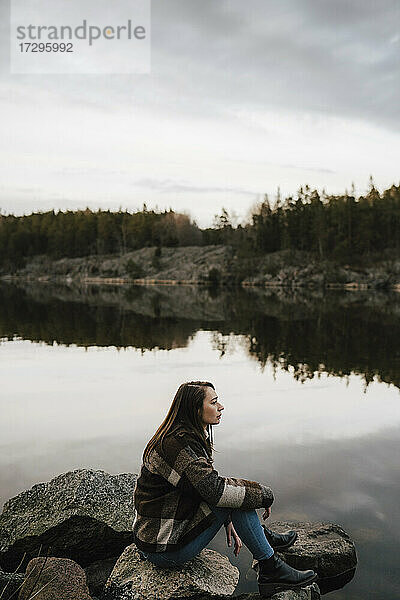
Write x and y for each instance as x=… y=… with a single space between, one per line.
x=176 y=491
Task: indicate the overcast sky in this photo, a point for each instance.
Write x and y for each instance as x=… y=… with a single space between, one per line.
x=241 y=98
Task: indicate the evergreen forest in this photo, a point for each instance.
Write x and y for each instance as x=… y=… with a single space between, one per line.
x=335 y=227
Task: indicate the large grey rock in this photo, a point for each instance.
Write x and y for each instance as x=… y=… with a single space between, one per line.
x=310 y=592
x=84 y=515
x=209 y=573
x=10 y=583
x=324 y=547
x=49 y=578
x=97 y=574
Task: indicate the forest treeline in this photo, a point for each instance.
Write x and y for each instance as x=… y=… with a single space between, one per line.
x=338 y=227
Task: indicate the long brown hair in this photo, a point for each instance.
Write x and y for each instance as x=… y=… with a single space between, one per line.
x=185 y=412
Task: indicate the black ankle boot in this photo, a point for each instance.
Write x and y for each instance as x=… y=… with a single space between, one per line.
x=280 y=541
x=275 y=575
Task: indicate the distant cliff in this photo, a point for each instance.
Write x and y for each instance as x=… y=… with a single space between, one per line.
x=214 y=265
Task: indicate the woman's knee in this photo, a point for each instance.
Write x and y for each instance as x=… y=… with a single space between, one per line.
x=249 y=515
x=251 y=512
x=222 y=514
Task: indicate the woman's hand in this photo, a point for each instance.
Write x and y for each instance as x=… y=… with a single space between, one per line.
x=231 y=533
x=266 y=513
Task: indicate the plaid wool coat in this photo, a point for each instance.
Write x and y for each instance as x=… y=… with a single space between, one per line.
x=177 y=489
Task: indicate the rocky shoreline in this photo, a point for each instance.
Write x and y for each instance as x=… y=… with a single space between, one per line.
x=213 y=265
x=71 y=538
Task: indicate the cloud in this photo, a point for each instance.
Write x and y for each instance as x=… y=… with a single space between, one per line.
x=329 y=57
x=335 y=58
x=181 y=187
x=242 y=98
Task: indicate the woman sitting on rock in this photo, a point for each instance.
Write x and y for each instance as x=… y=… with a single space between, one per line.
x=181 y=501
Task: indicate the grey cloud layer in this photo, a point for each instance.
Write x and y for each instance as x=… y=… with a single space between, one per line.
x=232 y=83
x=340 y=58
x=181 y=187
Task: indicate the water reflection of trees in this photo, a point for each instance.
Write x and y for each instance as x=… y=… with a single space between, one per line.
x=338 y=344
x=84 y=324
x=336 y=333
x=304 y=333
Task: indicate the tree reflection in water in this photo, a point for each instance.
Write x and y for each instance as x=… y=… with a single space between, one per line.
x=305 y=333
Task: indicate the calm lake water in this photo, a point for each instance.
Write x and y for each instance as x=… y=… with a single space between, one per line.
x=310 y=384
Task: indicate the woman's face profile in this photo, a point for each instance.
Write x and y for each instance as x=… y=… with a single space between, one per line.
x=212 y=408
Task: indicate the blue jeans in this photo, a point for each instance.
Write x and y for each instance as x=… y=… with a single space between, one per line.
x=247 y=525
